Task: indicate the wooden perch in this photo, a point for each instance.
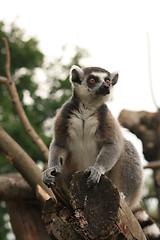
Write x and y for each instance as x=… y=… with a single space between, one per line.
x=21 y=161
x=18 y=106
x=95 y=213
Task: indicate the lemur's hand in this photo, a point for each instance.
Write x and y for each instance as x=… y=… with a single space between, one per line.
x=49 y=176
x=93 y=176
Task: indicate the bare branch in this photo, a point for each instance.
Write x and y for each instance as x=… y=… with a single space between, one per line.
x=22 y=162
x=153 y=165
x=3 y=79
x=42 y=195
x=7 y=59
x=15 y=183
x=18 y=106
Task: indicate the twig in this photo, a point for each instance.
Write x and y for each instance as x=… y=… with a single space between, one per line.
x=7 y=58
x=18 y=106
x=146 y=197
x=153 y=165
x=3 y=79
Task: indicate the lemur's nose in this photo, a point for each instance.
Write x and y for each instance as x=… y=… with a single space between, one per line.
x=104 y=89
x=105 y=86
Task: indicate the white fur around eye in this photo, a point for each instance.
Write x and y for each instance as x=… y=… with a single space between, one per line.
x=100 y=75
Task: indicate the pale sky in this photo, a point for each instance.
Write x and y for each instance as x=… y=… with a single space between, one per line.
x=113 y=32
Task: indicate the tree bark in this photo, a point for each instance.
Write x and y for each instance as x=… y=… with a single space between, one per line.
x=25 y=217
x=146 y=126
x=22 y=162
x=95 y=213
x=14 y=187
x=23 y=207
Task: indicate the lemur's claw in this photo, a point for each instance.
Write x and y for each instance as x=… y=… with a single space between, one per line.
x=49 y=176
x=93 y=176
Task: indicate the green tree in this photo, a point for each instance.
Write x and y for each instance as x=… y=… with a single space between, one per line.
x=26 y=61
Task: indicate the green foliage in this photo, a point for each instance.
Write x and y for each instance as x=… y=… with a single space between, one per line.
x=24 y=52
x=150 y=202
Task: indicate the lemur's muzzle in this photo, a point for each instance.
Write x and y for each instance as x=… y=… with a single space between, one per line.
x=103 y=89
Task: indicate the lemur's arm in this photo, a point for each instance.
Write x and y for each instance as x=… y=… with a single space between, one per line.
x=109 y=153
x=57 y=156
x=57 y=153
x=108 y=157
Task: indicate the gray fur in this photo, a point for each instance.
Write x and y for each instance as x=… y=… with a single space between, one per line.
x=87 y=137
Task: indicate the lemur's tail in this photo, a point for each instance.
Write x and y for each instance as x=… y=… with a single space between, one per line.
x=150 y=229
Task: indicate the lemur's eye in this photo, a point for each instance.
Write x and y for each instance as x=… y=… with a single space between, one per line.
x=91 y=80
x=107 y=81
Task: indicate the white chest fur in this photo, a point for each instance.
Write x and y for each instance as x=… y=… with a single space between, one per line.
x=82 y=140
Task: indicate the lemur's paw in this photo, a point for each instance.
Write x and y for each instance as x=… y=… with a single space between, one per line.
x=93 y=176
x=49 y=176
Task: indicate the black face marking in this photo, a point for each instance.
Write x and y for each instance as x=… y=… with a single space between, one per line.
x=103 y=89
x=92 y=80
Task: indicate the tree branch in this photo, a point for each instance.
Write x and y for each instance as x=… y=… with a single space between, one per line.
x=3 y=79
x=22 y=162
x=153 y=165
x=18 y=106
x=15 y=183
x=146 y=126
x=7 y=59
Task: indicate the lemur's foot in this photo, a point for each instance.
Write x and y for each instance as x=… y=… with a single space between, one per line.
x=93 y=176
x=49 y=176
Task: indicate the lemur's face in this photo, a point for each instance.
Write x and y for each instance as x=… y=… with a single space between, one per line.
x=93 y=82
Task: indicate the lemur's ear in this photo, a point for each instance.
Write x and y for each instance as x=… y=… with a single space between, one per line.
x=76 y=74
x=114 y=78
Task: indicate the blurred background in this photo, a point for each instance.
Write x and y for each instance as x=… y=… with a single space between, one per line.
x=47 y=37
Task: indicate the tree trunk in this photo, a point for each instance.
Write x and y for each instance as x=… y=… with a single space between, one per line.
x=25 y=217
x=23 y=207
x=95 y=213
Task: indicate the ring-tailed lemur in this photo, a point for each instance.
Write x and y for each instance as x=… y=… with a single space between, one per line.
x=88 y=138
